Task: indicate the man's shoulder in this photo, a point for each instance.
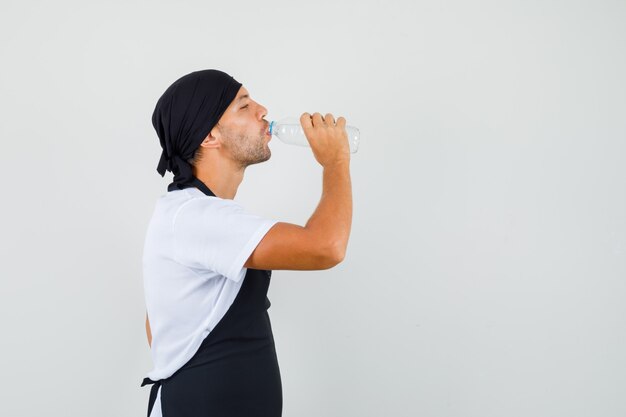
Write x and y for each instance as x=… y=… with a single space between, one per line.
x=193 y=205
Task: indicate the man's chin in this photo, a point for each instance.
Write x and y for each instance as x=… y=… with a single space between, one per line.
x=261 y=160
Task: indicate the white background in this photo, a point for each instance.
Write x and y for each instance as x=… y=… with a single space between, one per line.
x=486 y=269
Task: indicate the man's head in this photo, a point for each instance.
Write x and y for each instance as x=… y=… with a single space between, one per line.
x=210 y=114
x=240 y=135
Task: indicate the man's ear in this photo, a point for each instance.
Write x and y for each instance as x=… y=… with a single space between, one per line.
x=211 y=141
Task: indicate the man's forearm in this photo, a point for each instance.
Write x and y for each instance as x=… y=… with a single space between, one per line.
x=332 y=218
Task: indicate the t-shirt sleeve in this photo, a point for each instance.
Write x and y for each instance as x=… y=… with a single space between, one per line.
x=217 y=234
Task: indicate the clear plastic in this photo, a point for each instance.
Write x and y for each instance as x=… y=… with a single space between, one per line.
x=289 y=130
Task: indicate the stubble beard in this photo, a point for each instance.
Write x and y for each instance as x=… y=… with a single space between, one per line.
x=247 y=150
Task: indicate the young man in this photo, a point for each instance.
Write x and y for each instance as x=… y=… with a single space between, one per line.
x=208 y=262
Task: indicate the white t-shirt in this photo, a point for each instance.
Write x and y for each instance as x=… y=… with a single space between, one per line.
x=193 y=258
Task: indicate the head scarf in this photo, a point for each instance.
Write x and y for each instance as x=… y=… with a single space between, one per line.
x=184 y=116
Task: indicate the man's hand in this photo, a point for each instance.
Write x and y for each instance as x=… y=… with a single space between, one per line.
x=148 y=332
x=328 y=138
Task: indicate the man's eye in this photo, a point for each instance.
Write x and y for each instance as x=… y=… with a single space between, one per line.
x=244 y=106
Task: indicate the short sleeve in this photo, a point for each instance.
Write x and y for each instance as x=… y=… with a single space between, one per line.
x=218 y=235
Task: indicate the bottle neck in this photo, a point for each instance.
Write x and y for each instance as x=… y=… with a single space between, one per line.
x=272 y=126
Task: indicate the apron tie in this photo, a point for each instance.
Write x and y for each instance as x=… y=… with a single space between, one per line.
x=153 y=392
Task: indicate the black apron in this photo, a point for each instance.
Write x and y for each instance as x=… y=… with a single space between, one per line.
x=235 y=371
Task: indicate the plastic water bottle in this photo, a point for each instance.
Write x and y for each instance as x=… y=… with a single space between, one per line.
x=289 y=130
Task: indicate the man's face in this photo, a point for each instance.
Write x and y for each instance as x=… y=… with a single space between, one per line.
x=243 y=130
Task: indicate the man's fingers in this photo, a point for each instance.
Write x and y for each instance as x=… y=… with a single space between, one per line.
x=306 y=121
x=317 y=119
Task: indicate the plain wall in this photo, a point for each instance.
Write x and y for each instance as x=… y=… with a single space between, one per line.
x=485 y=274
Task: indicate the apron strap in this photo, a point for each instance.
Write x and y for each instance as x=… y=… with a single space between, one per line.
x=195 y=182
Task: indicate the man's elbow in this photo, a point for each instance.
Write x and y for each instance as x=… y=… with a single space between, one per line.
x=337 y=255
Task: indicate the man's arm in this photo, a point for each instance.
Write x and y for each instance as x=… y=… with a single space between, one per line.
x=148 y=332
x=322 y=242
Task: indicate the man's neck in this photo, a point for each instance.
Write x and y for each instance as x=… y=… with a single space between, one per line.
x=222 y=179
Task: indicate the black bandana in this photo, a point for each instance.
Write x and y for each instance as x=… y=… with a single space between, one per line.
x=184 y=116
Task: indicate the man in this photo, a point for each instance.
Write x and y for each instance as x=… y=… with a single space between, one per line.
x=208 y=262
